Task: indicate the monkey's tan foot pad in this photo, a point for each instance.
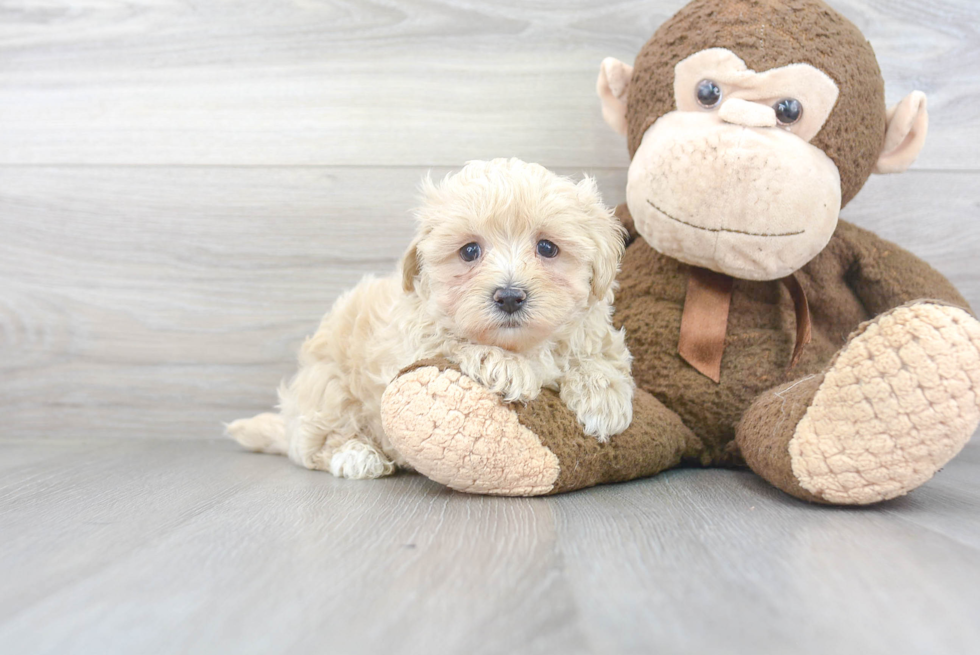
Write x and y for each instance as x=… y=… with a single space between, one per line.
x=456 y=432
x=896 y=404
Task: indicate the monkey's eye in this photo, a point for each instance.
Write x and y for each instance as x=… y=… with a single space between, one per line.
x=788 y=111
x=547 y=249
x=470 y=252
x=709 y=94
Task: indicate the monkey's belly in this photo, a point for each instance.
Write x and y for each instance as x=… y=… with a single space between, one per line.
x=758 y=345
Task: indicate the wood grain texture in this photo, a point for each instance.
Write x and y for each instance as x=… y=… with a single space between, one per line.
x=159 y=302
x=166 y=547
x=435 y=82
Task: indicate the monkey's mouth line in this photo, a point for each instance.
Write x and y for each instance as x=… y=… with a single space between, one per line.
x=725 y=229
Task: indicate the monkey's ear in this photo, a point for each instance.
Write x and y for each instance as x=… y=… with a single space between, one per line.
x=411 y=266
x=908 y=123
x=613 y=88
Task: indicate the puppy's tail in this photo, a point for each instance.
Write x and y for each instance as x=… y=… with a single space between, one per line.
x=265 y=433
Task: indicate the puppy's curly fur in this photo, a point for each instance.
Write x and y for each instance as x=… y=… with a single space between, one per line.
x=511 y=275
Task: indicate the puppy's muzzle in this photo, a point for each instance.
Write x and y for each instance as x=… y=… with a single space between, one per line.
x=509 y=299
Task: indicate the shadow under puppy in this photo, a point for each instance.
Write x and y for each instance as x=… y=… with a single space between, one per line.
x=511 y=275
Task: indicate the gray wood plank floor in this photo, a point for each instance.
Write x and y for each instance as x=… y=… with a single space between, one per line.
x=185 y=187
x=161 y=546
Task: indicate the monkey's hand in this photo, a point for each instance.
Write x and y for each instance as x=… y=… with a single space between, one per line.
x=601 y=396
x=500 y=371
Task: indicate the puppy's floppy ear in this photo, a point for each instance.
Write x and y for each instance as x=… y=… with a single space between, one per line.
x=411 y=266
x=412 y=261
x=609 y=251
x=608 y=234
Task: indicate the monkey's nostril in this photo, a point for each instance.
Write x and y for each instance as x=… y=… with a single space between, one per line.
x=509 y=299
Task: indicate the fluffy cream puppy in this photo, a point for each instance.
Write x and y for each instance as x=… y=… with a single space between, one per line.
x=511 y=275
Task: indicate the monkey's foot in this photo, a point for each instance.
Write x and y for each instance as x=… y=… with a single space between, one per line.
x=458 y=433
x=898 y=402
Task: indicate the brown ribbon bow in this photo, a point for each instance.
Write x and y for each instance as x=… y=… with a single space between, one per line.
x=704 y=322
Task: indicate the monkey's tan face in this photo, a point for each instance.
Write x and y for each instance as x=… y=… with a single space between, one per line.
x=729 y=181
x=512 y=263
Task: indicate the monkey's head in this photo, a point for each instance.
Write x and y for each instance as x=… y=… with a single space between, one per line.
x=750 y=124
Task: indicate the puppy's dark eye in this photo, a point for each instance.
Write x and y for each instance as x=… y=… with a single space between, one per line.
x=788 y=111
x=470 y=252
x=547 y=249
x=709 y=94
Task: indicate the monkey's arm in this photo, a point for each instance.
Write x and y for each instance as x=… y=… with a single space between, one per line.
x=885 y=276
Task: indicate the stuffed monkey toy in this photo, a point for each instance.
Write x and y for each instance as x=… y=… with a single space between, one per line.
x=765 y=331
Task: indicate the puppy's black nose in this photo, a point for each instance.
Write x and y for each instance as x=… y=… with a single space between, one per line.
x=509 y=299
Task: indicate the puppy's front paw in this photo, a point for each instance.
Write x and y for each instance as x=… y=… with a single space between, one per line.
x=602 y=403
x=357 y=460
x=502 y=373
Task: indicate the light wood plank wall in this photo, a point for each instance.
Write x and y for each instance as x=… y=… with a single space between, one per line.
x=186 y=186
